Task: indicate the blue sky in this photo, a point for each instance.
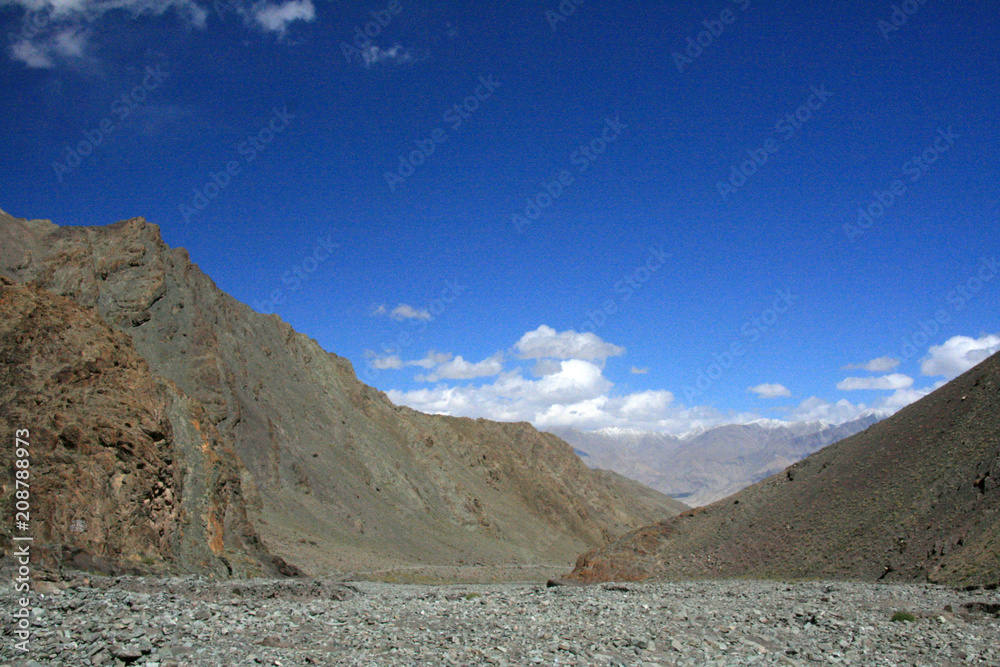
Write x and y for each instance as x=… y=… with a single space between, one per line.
x=653 y=216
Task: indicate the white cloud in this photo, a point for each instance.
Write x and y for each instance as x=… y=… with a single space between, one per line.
x=958 y=354
x=49 y=14
x=902 y=397
x=817 y=409
x=43 y=52
x=645 y=405
x=576 y=380
x=889 y=382
x=635 y=370
x=276 y=18
x=574 y=393
x=396 y=55
x=70 y=43
x=512 y=397
x=877 y=365
x=406 y=312
x=395 y=362
x=389 y=361
x=545 y=342
x=768 y=390
x=33 y=55
x=53 y=28
x=431 y=359
x=460 y=369
x=589 y=411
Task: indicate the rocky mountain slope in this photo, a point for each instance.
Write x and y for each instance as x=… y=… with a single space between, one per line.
x=700 y=468
x=327 y=471
x=125 y=471
x=915 y=497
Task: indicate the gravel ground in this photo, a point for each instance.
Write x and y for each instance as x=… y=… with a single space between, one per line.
x=178 y=622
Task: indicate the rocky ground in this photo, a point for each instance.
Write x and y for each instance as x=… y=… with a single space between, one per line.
x=175 y=622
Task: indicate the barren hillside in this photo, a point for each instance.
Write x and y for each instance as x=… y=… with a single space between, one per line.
x=915 y=497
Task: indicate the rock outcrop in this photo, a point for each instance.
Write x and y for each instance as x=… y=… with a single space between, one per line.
x=915 y=497
x=327 y=471
x=126 y=474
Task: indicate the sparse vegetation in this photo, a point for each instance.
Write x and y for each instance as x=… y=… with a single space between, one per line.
x=903 y=617
x=472 y=596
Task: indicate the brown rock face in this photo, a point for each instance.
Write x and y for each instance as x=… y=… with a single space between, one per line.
x=326 y=470
x=107 y=469
x=913 y=498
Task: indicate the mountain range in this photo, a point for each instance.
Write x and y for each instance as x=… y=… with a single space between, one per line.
x=708 y=464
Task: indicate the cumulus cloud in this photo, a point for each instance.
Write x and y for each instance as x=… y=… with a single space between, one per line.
x=573 y=392
x=646 y=405
x=877 y=365
x=768 y=390
x=889 y=382
x=635 y=370
x=546 y=342
x=512 y=396
x=958 y=354
x=394 y=55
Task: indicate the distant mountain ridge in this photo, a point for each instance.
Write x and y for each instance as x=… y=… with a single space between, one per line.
x=707 y=464
x=915 y=497
x=262 y=451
